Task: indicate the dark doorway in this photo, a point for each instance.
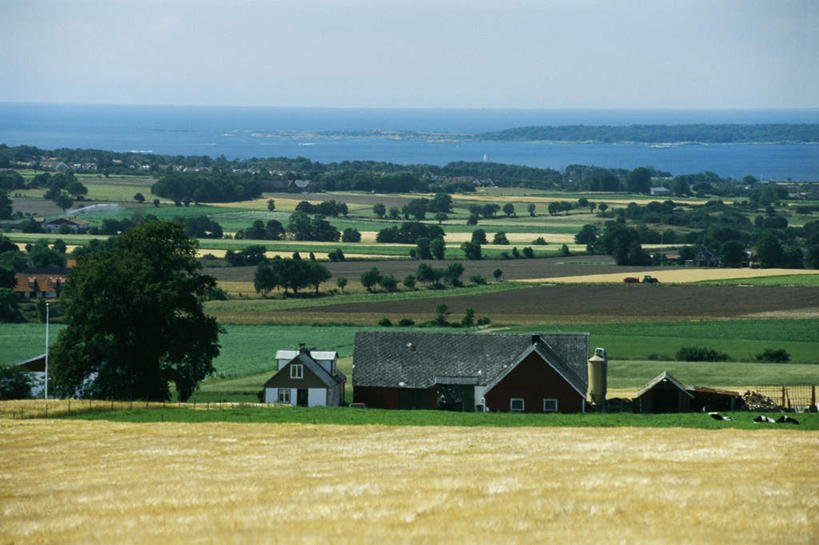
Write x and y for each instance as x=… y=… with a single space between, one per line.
x=301 y=397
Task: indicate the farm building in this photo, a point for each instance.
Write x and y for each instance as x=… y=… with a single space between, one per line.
x=665 y=394
x=72 y=223
x=40 y=283
x=469 y=372
x=306 y=378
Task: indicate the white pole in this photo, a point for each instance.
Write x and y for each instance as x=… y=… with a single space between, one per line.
x=46 y=355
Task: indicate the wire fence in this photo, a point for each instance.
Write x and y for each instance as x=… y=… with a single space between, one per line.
x=795 y=397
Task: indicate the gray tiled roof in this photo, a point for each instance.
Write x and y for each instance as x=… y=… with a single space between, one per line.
x=386 y=359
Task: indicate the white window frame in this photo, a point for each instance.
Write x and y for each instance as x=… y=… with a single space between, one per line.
x=284 y=395
x=549 y=400
x=297 y=370
x=512 y=404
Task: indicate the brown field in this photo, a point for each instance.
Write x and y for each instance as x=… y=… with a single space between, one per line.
x=583 y=304
x=101 y=482
x=513 y=269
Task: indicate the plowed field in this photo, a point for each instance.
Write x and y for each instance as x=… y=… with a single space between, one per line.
x=605 y=303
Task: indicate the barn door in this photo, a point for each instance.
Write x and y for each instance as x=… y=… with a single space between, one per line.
x=301 y=397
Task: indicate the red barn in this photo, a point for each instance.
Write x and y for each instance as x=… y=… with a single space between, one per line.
x=536 y=372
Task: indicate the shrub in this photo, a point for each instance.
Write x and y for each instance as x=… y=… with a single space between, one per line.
x=385 y=322
x=528 y=252
x=770 y=355
x=15 y=383
x=477 y=279
x=406 y=322
x=700 y=353
x=540 y=241
x=484 y=320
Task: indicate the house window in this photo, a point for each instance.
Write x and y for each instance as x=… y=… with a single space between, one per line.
x=549 y=405
x=517 y=404
x=284 y=395
x=297 y=370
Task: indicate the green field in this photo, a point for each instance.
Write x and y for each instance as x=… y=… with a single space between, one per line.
x=347 y=416
x=787 y=280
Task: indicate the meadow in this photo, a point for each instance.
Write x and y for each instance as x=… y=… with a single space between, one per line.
x=118 y=482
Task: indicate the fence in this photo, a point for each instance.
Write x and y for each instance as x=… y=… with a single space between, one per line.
x=800 y=396
x=41 y=408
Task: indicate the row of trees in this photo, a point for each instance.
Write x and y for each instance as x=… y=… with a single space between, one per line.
x=289 y=274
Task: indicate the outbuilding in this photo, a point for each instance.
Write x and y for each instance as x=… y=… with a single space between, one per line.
x=666 y=394
x=536 y=372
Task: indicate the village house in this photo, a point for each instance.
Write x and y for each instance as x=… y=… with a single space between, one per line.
x=538 y=372
x=73 y=223
x=306 y=378
x=40 y=283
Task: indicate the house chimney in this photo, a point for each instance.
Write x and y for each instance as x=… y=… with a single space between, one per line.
x=598 y=368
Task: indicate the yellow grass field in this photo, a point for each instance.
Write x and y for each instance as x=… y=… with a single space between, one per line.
x=102 y=482
x=675 y=275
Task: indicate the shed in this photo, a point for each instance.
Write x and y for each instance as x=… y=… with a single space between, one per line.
x=665 y=394
x=536 y=372
x=36 y=368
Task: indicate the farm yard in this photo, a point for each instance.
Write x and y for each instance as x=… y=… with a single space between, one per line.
x=104 y=482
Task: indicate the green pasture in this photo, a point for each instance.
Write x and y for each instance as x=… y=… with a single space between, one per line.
x=348 y=416
x=742 y=340
x=787 y=280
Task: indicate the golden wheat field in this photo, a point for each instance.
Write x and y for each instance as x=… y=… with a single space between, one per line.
x=672 y=275
x=102 y=482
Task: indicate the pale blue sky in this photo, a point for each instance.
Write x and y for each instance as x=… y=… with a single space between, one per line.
x=403 y=53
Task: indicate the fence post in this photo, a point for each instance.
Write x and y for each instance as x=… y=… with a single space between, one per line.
x=783 y=396
x=813 y=397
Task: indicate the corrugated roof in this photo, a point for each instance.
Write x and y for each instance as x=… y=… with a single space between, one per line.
x=388 y=359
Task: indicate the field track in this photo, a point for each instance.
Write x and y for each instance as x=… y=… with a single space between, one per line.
x=594 y=303
x=102 y=482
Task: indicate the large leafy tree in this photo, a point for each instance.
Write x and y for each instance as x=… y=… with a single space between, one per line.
x=135 y=318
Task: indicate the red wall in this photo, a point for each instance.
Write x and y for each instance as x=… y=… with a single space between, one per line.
x=382 y=398
x=533 y=380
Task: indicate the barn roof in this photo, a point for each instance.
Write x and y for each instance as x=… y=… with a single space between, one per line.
x=420 y=359
x=665 y=376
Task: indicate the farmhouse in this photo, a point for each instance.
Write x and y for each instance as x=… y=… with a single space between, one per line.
x=40 y=283
x=536 y=372
x=70 y=222
x=306 y=378
x=666 y=394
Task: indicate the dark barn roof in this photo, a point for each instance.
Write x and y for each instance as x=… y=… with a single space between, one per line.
x=319 y=371
x=419 y=359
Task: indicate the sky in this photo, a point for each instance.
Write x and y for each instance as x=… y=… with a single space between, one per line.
x=495 y=54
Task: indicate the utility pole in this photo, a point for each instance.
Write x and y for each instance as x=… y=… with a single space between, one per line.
x=46 y=354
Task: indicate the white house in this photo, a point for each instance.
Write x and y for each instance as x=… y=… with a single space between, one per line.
x=306 y=379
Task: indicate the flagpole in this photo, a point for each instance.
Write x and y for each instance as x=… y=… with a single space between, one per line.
x=46 y=355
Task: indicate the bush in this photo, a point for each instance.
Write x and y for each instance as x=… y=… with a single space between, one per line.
x=700 y=353
x=540 y=241
x=15 y=383
x=477 y=279
x=483 y=321
x=770 y=355
x=406 y=322
x=385 y=322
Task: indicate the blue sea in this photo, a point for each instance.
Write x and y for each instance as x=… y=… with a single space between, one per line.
x=246 y=132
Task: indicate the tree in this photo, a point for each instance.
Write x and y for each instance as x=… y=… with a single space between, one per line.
x=370 y=278
x=271 y=205
x=732 y=253
x=602 y=207
x=429 y=275
x=453 y=273
x=531 y=209
x=388 y=282
x=472 y=251
x=394 y=213
x=62 y=200
x=265 y=279
x=479 y=236
x=441 y=311
x=351 y=234
x=442 y=202
x=441 y=217
x=135 y=319
x=341 y=282
x=639 y=180
x=509 y=209
x=316 y=274
x=139 y=197
x=15 y=382
x=9 y=311
x=500 y=238
x=6 y=207
x=423 y=249
x=416 y=208
x=497 y=273
x=587 y=235
x=769 y=251
x=156 y=203
x=469 y=317
x=437 y=248
x=379 y=210
x=409 y=281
